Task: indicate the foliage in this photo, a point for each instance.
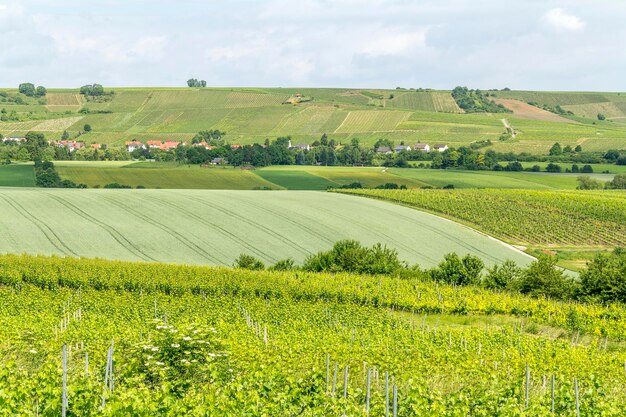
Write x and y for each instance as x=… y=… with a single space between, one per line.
x=474 y=101
x=193 y=82
x=542 y=278
x=604 y=279
x=249 y=262
x=504 y=276
x=585 y=182
x=459 y=271
x=350 y=256
x=618 y=182
x=29 y=90
x=93 y=90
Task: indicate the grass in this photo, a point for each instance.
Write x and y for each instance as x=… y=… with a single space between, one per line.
x=17 y=175
x=214 y=227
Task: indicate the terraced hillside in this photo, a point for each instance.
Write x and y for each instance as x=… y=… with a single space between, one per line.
x=215 y=227
x=254 y=114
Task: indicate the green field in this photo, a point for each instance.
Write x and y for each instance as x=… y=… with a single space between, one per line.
x=152 y=175
x=17 y=175
x=214 y=227
x=198 y=341
x=526 y=217
x=171 y=175
x=254 y=114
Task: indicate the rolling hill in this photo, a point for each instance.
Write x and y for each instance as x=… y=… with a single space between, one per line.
x=214 y=227
x=251 y=115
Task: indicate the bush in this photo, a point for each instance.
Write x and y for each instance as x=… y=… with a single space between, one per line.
x=350 y=256
x=283 y=265
x=617 y=183
x=458 y=271
x=552 y=167
x=249 y=262
x=585 y=182
x=116 y=185
x=503 y=276
x=605 y=278
x=542 y=278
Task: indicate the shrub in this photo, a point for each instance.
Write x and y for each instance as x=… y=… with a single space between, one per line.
x=502 y=276
x=458 y=271
x=249 y=262
x=350 y=256
x=585 y=182
x=283 y=265
x=542 y=278
x=605 y=278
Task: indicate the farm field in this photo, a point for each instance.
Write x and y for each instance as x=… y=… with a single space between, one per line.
x=190 y=340
x=17 y=175
x=250 y=115
x=214 y=227
x=171 y=175
x=150 y=175
x=529 y=218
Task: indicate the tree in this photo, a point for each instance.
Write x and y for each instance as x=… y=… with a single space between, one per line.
x=193 y=82
x=249 y=262
x=601 y=116
x=93 y=90
x=587 y=169
x=556 y=149
x=502 y=276
x=617 y=183
x=567 y=149
x=611 y=155
x=604 y=279
x=578 y=148
x=459 y=271
x=542 y=278
x=65 y=135
x=585 y=182
x=28 y=89
x=87 y=128
x=552 y=167
x=40 y=91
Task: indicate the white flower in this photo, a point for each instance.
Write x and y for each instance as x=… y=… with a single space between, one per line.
x=186 y=338
x=159 y=363
x=32 y=351
x=173 y=331
x=150 y=357
x=212 y=355
x=175 y=345
x=155 y=349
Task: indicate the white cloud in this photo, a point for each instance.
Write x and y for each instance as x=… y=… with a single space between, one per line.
x=391 y=42
x=562 y=21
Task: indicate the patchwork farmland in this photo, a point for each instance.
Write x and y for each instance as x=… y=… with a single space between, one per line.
x=250 y=115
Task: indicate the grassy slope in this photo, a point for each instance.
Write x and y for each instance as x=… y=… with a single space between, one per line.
x=214 y=227
x=251 y=115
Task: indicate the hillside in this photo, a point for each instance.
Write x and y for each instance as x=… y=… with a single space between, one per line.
x=215 y=227
x=252 y=115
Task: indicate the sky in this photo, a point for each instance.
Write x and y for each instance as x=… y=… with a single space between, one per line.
x=521 y=44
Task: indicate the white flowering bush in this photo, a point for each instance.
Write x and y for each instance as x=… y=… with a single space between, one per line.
x=175 y=358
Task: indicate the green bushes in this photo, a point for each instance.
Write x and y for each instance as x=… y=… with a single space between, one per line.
x=605 y=278
x=350 y=256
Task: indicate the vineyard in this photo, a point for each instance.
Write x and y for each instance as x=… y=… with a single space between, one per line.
x=575 y=218
x=116 y=338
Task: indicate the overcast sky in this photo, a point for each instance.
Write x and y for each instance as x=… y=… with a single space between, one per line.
x=521 y=44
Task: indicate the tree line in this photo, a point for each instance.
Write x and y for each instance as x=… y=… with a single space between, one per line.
x=603 y=280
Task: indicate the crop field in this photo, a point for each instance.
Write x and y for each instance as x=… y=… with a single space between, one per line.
x=17 y=175
x=202 y=341
x=250 y=115
x=215 y=227
x=150 y=175
x=526 y=217
x=172 y=175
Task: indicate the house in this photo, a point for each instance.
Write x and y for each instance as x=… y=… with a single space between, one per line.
x=401 y=148
x=13 y=139
x=233 y=147
x=131 y=146
x=204 y=145
x=424 y=147
x=69 y=144
x=95 y=146
x=169 y=145
x=383 y=150
x=154 y=144
x=440 y=147
x=301 y=147
x=218 y=161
